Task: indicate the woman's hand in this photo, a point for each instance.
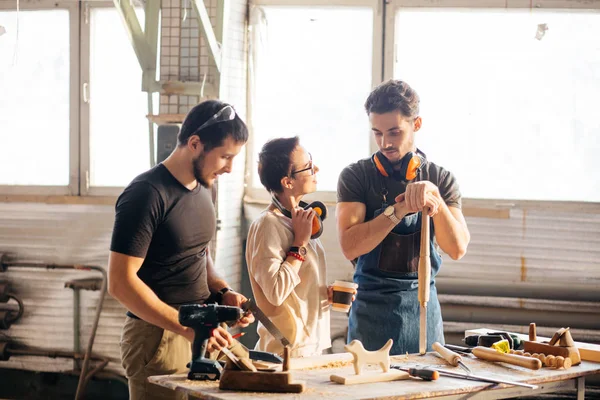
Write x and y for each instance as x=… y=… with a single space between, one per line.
x=302 y=225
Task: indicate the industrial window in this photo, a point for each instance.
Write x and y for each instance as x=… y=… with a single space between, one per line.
x=118 y=128
x=72 y=110
x=36 y=103
x=311 y=71
x=509 y=98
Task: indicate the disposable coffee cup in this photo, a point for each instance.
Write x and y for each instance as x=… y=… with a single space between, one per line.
x=342 y=295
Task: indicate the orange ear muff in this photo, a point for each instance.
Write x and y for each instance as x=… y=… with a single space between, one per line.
x=317 y=222
x=410 y=165
x=414 y=164
x=379 y=165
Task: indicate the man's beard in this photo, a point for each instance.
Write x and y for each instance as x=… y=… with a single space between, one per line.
x=198 y=166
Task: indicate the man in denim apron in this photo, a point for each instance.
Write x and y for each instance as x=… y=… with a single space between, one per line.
x=379 y=224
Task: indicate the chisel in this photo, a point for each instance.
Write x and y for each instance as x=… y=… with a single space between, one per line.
x=425 y=374
x=484 y=379
x=450 y=356
x=424 y=273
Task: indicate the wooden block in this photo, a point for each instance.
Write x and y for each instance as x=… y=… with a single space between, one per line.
x=587 y=351
x=566 y=352
x=362 y=357
x=278 y=382
x=370 y=377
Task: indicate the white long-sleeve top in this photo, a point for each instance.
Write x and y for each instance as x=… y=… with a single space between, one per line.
x=294 y=299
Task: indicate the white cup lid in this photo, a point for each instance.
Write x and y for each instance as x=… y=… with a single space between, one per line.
x=350 y=285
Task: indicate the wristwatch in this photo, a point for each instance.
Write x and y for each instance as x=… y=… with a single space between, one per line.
x=300 y=250
x=389 y=212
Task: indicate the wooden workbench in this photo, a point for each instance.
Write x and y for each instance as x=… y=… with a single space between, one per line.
x=319 y=386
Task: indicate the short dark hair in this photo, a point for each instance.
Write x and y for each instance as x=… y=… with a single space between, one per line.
x=393 y=95
x=214 y=135
x=274 y=162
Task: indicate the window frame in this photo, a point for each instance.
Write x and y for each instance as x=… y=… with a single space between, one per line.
x=85 y=186
x=260 y=195
x=72 y=188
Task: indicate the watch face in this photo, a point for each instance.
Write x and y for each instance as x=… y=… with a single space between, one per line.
x=302 y=251
x=389 y=210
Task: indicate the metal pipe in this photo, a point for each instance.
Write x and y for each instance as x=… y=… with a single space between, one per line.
x=151 y=129
x=4 y=264
x=76 y=327
x=83 y=379
x=528 y=290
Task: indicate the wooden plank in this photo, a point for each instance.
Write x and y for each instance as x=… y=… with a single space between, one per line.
x=587 y=351
x=370 y=377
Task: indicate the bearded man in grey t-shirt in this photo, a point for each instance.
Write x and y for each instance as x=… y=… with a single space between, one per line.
x=379 y=222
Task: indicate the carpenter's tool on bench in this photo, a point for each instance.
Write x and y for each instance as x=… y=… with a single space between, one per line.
x=450 y=356
x=423 y=373
x=459 y=349
x=488 y=354
x=483 y=379
x=269 y=326
x=203 y=319
x=424 y=274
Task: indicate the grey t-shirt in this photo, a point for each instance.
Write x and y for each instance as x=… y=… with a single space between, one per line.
x=160 y=220
x=361 y=182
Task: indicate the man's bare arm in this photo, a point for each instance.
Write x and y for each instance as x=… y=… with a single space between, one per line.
x=358 y=237
x=451 y=231
x=125 y=286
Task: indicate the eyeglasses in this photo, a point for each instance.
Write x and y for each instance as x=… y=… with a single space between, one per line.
x=310 y=168
x=226 y=113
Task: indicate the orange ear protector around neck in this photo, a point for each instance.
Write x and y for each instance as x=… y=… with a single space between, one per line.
x=410 y=165
x=317 y=223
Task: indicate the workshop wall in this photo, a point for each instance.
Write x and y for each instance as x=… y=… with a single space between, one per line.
x=71 y=234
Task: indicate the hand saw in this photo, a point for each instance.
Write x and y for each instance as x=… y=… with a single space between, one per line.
x=270 y=326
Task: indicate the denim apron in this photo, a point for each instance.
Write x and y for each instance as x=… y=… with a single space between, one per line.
x=387 y=304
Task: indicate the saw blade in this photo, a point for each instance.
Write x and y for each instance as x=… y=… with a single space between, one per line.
x=269 y=326
x=423 y=330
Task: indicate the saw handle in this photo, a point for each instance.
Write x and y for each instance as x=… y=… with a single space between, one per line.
x=447 y=354
x=488 y=354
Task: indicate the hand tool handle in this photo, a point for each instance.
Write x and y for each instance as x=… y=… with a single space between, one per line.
x=447 y=354
x=492 y=355
x=425 y=374
x=424 y=275
x=424 y=271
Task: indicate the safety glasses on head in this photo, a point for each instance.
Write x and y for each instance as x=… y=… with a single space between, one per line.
x=226 y=113
x=311 y=167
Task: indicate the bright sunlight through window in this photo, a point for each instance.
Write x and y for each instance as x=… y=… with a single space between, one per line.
x=512 y=115
x=34 y=98
x=313 y=74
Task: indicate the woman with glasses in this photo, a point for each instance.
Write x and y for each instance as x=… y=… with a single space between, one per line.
x=287 y=268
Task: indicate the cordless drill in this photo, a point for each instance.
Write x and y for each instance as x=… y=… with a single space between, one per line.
x=203 y=319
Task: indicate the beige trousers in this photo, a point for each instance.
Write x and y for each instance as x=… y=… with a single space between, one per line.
x=148 y=350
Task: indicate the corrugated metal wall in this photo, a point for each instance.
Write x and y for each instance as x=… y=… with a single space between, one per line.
x=514 y=257
x=66 y=234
